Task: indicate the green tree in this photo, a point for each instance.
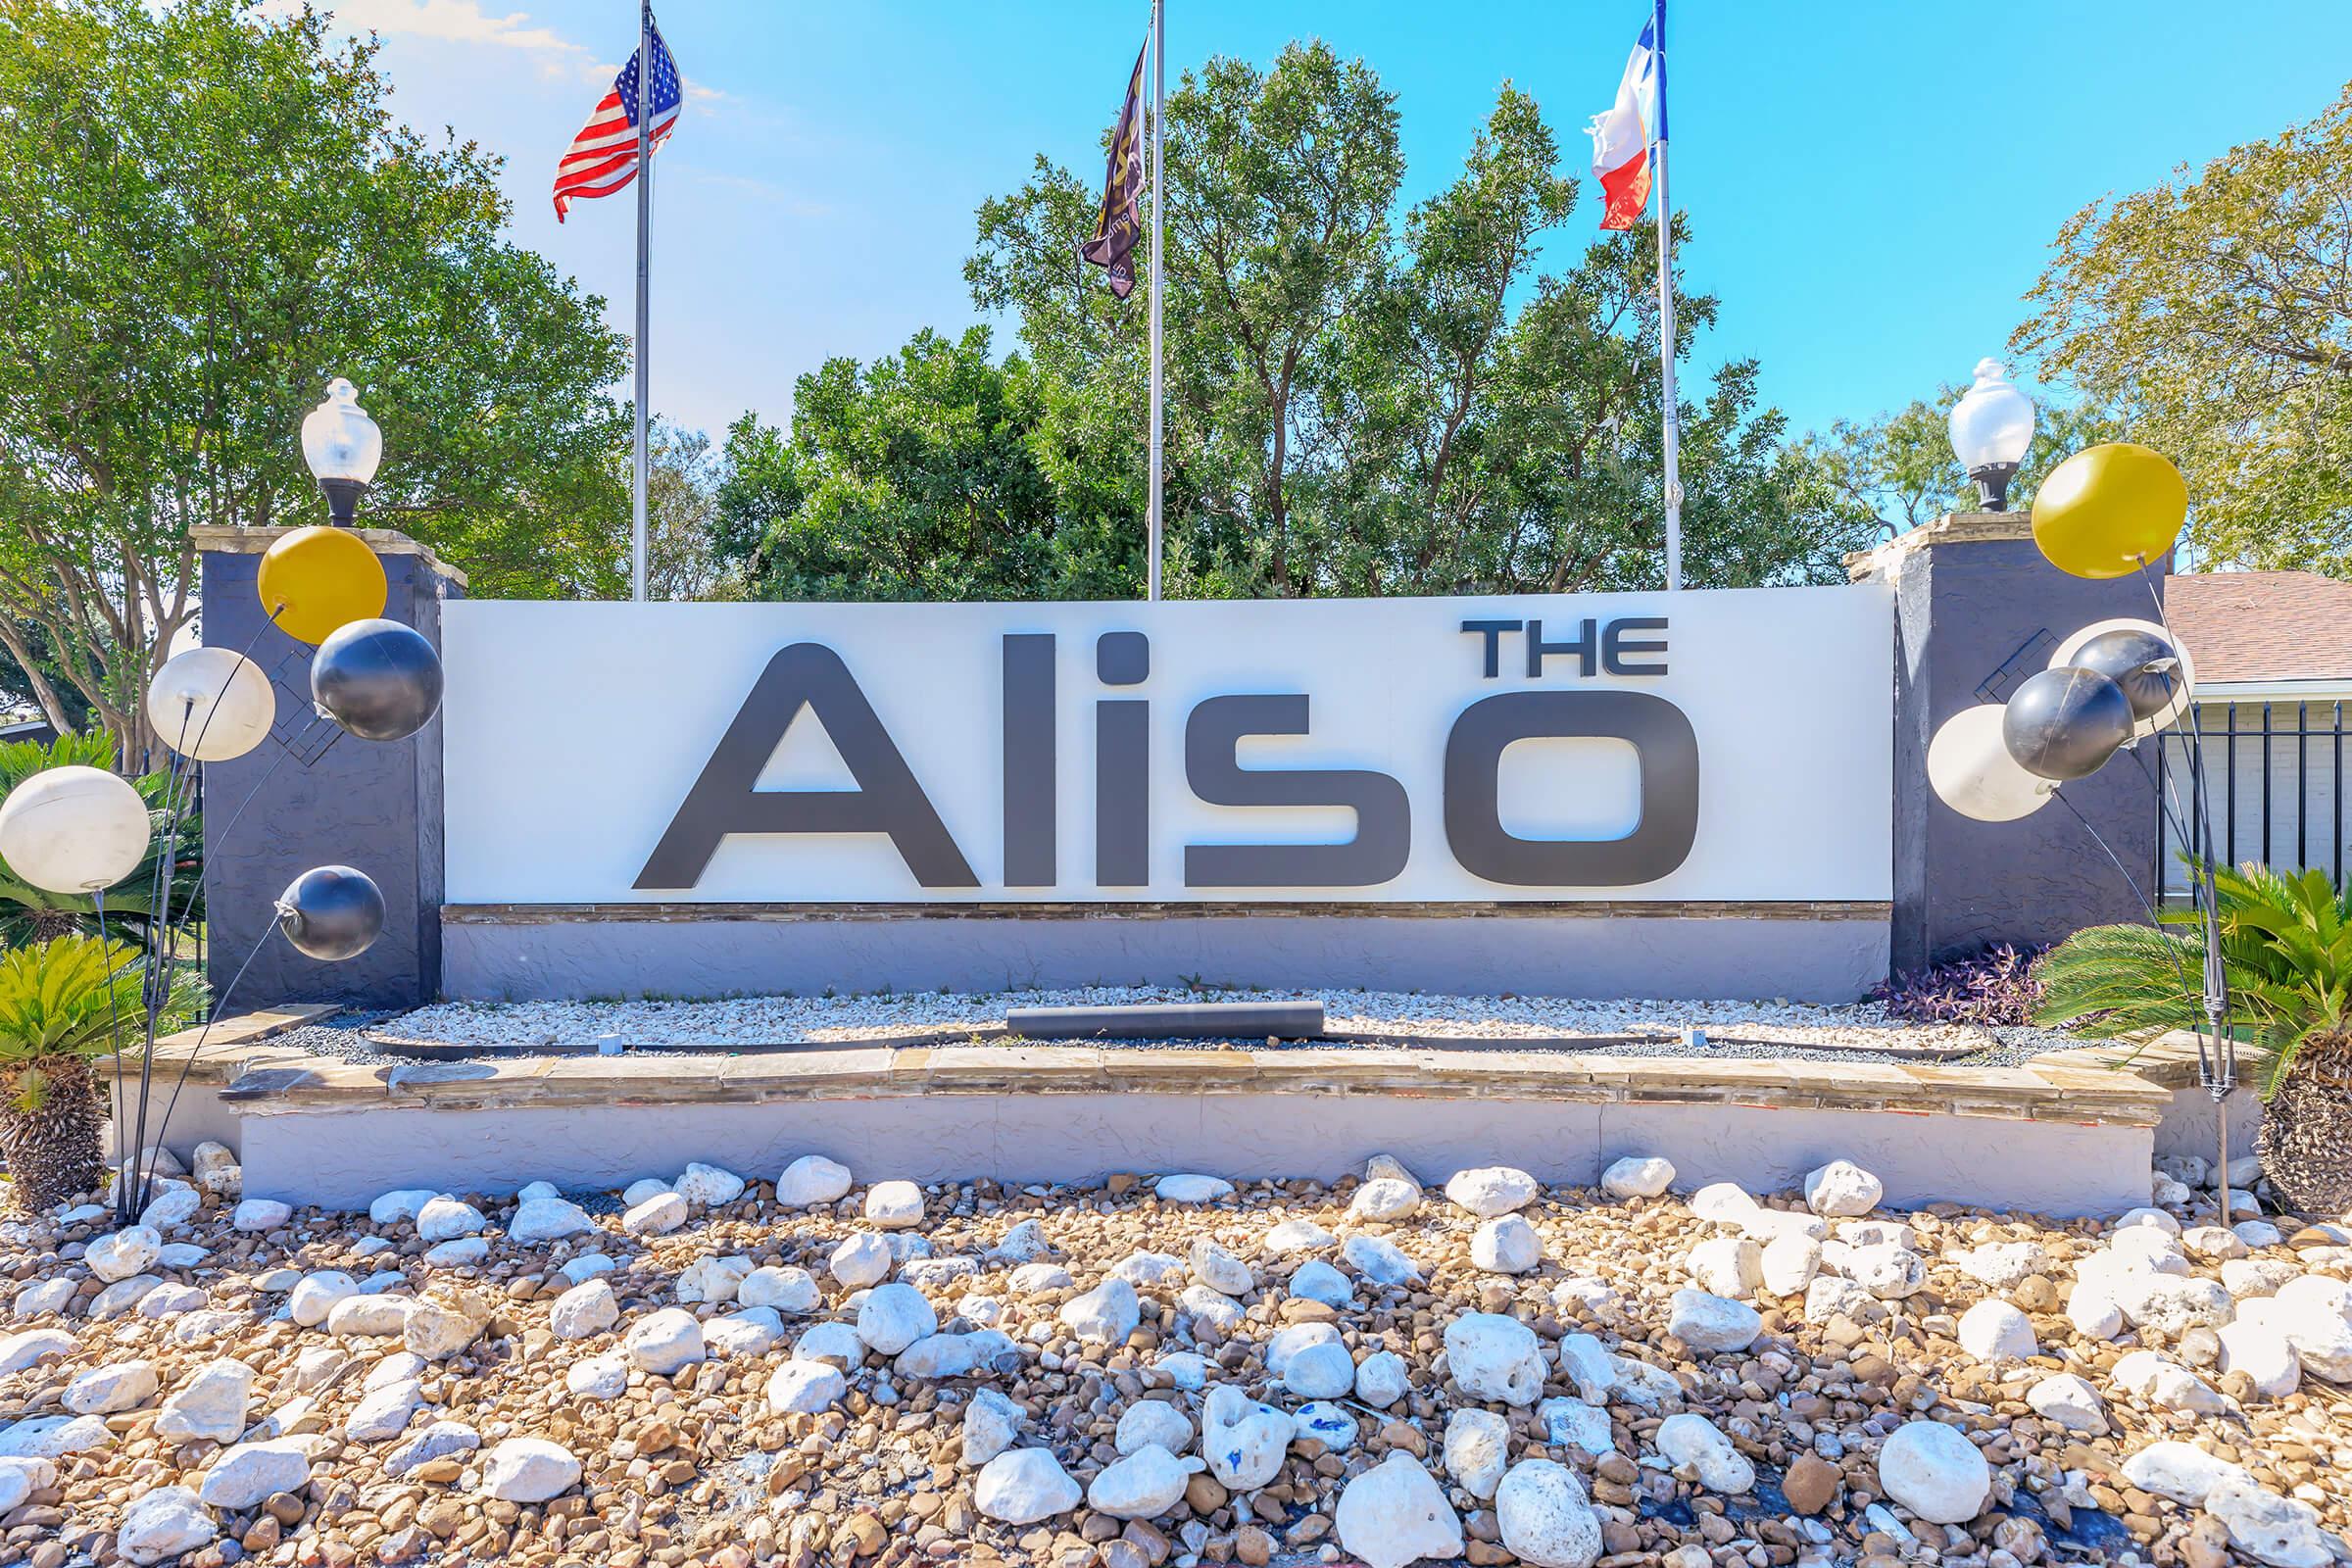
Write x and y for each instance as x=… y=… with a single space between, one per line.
x=2214 y=313
x=682 y=559
x=1363 y=401
x=205 y=213
x=919 y=476
x=1895 y=472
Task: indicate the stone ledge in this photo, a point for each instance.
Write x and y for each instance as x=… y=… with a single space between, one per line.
x=1952 y=528
x=215 y=540
x=652 y=913
x=266 y=1081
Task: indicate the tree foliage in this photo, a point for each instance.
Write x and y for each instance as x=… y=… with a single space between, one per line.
x=923 y=476
x=1363 y=399
x=1895 y=472
x=2214 y=313
x=205 y=213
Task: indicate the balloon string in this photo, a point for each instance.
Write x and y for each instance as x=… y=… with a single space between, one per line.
x=206 y=1033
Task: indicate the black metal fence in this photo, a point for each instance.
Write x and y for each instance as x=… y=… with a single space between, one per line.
x=2273 y=783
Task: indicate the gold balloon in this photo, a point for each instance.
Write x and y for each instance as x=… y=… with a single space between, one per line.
x=2110 y=509
x=315 y=580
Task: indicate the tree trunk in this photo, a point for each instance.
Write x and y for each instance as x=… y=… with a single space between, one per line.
x=2306 y=1137
x=53 y=1149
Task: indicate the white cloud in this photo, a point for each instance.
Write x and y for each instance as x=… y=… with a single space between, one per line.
x=464 y=21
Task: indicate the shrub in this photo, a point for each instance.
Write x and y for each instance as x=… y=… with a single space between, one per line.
x=1997 y=987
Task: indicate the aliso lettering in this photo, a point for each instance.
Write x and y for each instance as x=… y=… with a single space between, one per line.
x=889 y=799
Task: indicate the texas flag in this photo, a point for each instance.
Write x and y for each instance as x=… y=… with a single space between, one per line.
x=1622 y=136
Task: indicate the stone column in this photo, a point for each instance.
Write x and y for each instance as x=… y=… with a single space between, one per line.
x=311 y=795
x=1976 y=611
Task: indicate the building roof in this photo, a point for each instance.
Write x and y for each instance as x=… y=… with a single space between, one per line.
x=2263 y=625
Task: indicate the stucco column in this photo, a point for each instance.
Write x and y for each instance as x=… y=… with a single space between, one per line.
x=311 y=795
x=1978 y=609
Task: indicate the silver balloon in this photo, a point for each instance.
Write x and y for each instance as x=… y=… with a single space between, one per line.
x=2183 y=679
x=2065 y=723
x=2144 y=666
x=331 y=912
x=379 y=679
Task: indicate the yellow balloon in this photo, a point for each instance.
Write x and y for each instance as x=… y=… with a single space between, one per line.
x=315 y=580
x=2108 y=510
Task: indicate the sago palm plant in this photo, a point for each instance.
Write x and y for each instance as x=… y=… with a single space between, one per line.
x=65 y=1003
x=2286 y=949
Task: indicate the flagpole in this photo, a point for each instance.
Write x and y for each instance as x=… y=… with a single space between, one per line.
x=1159 y=105
x=645 y=229
x=1673 y=409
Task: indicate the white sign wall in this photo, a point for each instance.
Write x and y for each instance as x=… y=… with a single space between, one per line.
x=1705 y=745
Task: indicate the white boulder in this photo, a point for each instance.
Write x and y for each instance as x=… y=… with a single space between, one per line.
x=529 y=1470
x=1695 y=1447
x=811 y=1180
x=164 y=1523
x=1843 y=1188
x=1142 y=1485
x=251 y=1473
x=1490 y=1190
x=1385 y=1201
x=1396 y=1513
x=1935 y=1472
x=583 y=1311
x=547 y=1219
x=664 y=1343
x=112 y=1388
x=1507 y=1245
x=1103 y=1316
x=1022 y=1486
x=1494 y=1358
x=1188 y=1188
x=445 y=1219
x=1545 y=1516
x=804 y=1388
x=1478 y=1444
x=784 y=1289
x=1244 y=1441
x=124 y=1253
x=209 y=1406
x=859 y=1259
x=1712 y=1325
x=2070 y=1402
x=893 y=1317
x=894 y=1206
x=1636 y=1176
x=1995 y=1331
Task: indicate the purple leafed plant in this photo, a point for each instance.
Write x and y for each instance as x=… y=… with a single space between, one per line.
x=1995 y=987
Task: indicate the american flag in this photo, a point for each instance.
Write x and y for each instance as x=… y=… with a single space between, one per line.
x=603 y=157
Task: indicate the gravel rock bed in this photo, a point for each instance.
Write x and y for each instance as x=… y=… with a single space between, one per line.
x=1738 y=1030
x=822 y=1368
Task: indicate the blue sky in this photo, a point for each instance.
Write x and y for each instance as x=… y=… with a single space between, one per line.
x=1872 y=185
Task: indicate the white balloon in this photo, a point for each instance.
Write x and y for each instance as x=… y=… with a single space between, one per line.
x=73 y=829
x=2168 y=714
x=1972 y=772
x=212 y=704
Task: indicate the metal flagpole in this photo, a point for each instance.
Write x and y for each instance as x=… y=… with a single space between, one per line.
x=645 y=229
x=1159 y=104
x=1673 y=409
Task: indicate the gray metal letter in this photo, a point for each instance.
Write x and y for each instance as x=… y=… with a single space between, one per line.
x=1663 y=741
x=1122 y=794
x=1029 y=756
x=1384 y=835
x=887 y=799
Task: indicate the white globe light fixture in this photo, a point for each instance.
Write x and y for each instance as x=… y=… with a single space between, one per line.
x=1993 y=429
x=342 y=446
